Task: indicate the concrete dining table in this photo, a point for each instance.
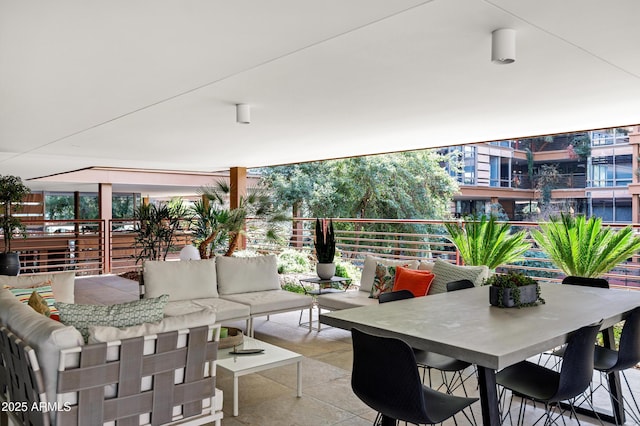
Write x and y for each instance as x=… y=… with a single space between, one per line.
x=464 y=325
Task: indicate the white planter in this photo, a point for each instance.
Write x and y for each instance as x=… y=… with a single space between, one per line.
x=326 y=270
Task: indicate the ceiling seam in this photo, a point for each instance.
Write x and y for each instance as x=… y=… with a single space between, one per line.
x=588 y=52
x=195 y=89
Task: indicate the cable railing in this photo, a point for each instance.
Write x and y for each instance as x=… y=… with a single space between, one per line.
x=86 y=248
x=426 y=240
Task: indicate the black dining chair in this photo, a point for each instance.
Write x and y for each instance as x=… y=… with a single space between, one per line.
x=428 y=361
x=459 y=285
x=532 y=381
x=394 y=388
x=608 y=361
x=586 y=282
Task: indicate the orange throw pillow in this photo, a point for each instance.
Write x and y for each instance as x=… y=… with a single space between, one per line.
x=416 y=281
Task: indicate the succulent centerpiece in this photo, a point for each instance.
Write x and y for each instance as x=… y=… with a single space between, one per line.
x=513 y=290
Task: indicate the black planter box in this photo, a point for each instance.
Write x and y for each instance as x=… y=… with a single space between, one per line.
x=528 y=294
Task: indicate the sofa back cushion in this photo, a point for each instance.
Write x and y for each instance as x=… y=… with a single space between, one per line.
x=183 y=280
x=369 y=269
x=247 y=274
x=46 y=336
x=62 y=283
x=446 y=272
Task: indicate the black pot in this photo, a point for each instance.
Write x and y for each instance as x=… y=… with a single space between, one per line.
x=528 y=294
x=9 y=264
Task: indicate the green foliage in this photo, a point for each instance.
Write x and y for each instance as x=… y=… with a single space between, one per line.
x=219 y=224
x=484 y=241
x=347 y=269
x=293 y=287
x=293 y=261
x=325 y=241
x=585 y=248
x=155 y=229
x=12 y=191
x=392 y=186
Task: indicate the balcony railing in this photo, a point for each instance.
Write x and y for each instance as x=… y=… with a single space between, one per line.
x=84 y=246
x=424 y=240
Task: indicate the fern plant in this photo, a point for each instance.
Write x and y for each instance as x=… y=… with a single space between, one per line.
x=585 y=248
x=485 y=241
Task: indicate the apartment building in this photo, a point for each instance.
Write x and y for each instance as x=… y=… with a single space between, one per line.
x=593 y=173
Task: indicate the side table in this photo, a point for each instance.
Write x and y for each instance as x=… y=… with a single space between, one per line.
x=321 y=285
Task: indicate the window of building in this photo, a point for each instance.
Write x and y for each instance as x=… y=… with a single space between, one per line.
x=611 y=171
x=609 y=137
x=612 y=210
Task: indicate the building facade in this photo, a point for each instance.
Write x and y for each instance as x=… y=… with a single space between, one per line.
x=592 y=173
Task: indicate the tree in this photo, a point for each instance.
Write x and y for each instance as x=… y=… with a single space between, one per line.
x=218 y=224
x=156 y=228
x=391 y=186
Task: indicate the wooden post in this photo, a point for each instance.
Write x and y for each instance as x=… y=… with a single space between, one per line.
x=105 y=194
x=238 y=185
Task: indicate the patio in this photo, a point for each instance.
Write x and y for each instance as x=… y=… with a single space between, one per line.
x=268 y=398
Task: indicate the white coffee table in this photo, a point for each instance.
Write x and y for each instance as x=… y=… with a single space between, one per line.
x=240 y=365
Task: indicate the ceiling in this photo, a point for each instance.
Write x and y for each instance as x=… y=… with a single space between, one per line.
x=153 y=83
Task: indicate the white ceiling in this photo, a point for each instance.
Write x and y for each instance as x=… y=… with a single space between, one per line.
x=152 y=83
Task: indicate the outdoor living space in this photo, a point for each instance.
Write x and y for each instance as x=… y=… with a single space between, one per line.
x=269 y=397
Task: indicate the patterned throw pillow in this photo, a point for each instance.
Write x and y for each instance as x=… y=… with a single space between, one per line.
x=45 y=291
x=120 y=315
x=445 y=273
x=383 y=280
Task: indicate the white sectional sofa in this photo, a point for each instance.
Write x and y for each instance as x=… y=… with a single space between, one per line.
x=237 y=288
x=47 y=363
x=445 y=272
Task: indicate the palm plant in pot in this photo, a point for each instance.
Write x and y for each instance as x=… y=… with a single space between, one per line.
x=585 y=248
x=325 y=244
x=12 y=191
x=485 y=241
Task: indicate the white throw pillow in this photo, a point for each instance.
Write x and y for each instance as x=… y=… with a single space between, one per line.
x=62 y=283
x=183 y=280
x=99 y=333
x=369 y=269
x=247 y=274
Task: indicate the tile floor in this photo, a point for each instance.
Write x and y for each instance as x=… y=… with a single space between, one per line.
x=268 y=398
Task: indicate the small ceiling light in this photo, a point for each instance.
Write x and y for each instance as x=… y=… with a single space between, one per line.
x=503 y=46
x=243 y=113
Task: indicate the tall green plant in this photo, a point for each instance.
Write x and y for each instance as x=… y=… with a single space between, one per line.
x=485 y=241
x=12 y=191
x=156 y=228
x=585 y=248
x=325 y=241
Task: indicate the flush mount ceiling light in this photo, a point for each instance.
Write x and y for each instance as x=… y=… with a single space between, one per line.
x=503 y=46
x=243 y=113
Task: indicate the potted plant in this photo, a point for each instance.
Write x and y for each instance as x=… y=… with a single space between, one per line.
x=325 y=244
x=12 y=191
x=485 y=241
x=513 y=290
x=585 y=248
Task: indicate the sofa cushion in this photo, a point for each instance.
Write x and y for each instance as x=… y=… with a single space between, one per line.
x=247 y=274
x=62 y=283
x=46 y=336
x=264 y=302
x=369 y=269
x=416 y=281
x=383 y=280
x=225 y=309
x=101 y=333
x=445 y=273
x=118 y=315
x=345 y=300
x=183 y=280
